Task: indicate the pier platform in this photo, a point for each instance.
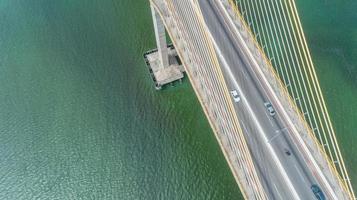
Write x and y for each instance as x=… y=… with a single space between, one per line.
x=164 y=75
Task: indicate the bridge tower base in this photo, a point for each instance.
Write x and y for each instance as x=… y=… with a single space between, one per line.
x=163 y=63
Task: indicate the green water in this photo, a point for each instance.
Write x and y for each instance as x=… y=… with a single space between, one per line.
x=79 y=118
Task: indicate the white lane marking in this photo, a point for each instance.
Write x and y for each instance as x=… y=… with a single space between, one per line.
x=277 y=191
x=269 y=118
x=260 y=155
x=260 y=128
x=286 y=116
x=300 y=174
x=245 y=128
x=275 y=136
x=278 y=132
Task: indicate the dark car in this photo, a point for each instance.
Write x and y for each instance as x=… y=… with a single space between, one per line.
x=317 y=192
x=287 y=152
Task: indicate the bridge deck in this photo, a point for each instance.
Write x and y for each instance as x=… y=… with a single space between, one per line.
x=211 y=77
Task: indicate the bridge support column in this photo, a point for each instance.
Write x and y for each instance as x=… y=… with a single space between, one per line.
x=163 y=63
x=160 y=36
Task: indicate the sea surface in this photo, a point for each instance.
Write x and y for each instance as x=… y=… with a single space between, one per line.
x=80 y=118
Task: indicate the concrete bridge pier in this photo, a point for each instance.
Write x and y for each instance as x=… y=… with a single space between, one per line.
x=160 y=36
x=164 y=64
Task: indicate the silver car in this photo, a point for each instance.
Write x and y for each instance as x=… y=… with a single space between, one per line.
x=269 y=108
x=235 y=96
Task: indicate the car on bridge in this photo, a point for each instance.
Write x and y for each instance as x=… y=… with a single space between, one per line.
x=287 y=152
x=317 y=192
x=235 y=96
x=270 y=108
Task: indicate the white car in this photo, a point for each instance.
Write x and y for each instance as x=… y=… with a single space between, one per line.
x=235 y=95
x=269 y=108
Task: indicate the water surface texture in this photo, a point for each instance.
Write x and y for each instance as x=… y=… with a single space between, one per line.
x=80 y=119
